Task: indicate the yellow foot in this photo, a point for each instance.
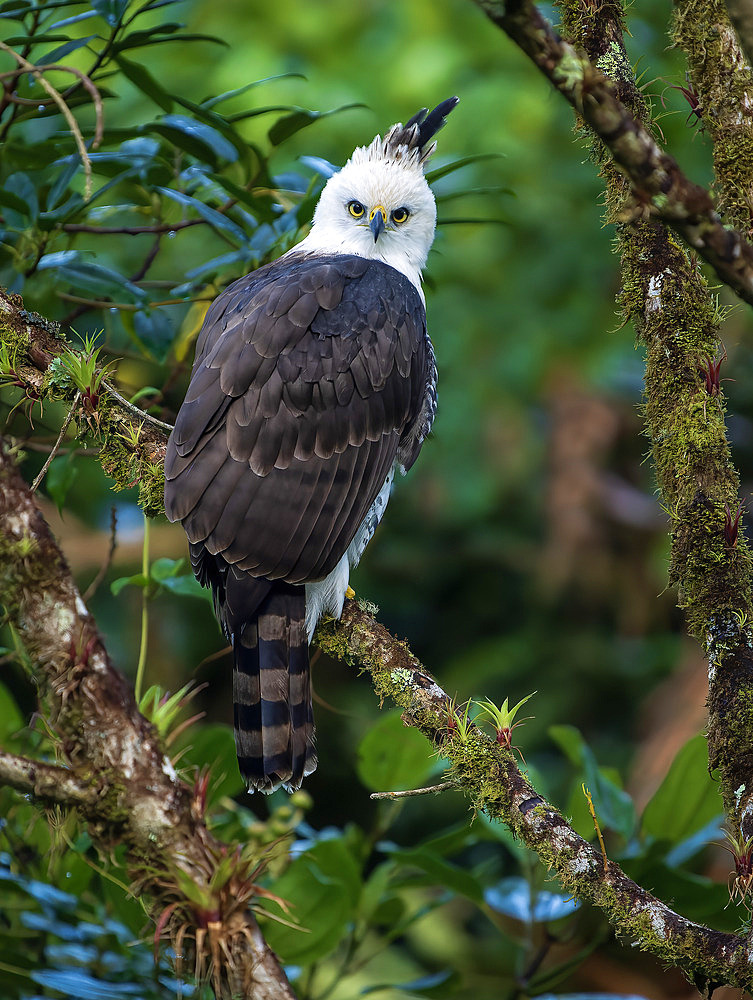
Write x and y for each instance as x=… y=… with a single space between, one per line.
x=350 y=593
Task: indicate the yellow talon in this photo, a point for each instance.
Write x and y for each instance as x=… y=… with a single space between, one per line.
x=350 y=593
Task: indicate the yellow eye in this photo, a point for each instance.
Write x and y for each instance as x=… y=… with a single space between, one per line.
x=400 y=215
x=356 y=209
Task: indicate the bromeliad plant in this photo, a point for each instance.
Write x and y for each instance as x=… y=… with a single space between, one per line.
x=502 y=719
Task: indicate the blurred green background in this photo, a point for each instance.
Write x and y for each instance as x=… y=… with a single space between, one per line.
x=527 y=550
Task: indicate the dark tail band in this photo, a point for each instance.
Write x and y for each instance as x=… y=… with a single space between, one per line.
x=273 y=714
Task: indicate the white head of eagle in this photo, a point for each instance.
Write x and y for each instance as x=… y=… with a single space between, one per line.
x=379 y=205
x=314 y=380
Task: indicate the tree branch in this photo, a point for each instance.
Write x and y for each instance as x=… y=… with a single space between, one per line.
x=722 y=85
x=142 y=801
x=132 y=443
x=46 y=782
x=741 y=14
x=490 y=777
x=664 y=293
x=660 y=186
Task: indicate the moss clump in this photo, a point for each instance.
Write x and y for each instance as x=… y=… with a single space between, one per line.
x=126 y=463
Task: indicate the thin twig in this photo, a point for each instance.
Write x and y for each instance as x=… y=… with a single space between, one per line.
x=47 y=448
x=93 y=586
x=56 y=446
x=165 y=227
x=141 y=414
x=127 y=306
x=597 y=827
x=144 y=613
x=443 y=786
x=89 y=85
x=148 y=261
x=64 y=110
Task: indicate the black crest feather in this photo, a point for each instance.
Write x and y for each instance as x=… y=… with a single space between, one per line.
x=413 y=140
x=429 y=123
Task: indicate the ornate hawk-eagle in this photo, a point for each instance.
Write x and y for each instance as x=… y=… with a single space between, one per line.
x=314 y=380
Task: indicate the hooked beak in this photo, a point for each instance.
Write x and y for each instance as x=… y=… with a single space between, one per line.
x=377 y=220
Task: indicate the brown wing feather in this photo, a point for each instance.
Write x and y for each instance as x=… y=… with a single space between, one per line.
x=309 y=373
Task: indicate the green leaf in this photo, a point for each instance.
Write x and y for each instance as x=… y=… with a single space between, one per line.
x=21 y=187
x=196 y=138
x=167 y=572
x=61 y=475
x=686 y=800
x=10 y=200
x=111 y=11
x=301 y=118
x=212 y=102
x=137 y=580
x=392 y=756
x=614 y=807
x=61 y=183
x=426 y=985
x=334 y=859
x=11 y=719
x=515 y=897
x=79 y=984
x=146 y=36
x=187 y=586
x=450 y=168
x=164 y=568
x=439 y=871
x=570 y=742
x=154 y=332
x=63 y=50
x=213 y=217
x=320 y=901
x=213 y=744
x=143 y=80
x=91 y=278
x=87 y=15
x=14 y=10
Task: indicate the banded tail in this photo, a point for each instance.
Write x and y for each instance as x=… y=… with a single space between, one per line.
x=273 y=713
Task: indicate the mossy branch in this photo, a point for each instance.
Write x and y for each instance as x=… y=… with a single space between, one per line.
x=660 y=187
x=721 y=83
x=132 y=447
x=137 y=798
x=489 y=776
x=665 y=296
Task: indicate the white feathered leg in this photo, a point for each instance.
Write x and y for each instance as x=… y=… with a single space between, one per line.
x=327 y=596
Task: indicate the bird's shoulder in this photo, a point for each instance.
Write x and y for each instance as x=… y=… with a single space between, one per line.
x=305 y=297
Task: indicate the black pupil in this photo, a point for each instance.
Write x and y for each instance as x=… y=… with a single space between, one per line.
x=356 y=207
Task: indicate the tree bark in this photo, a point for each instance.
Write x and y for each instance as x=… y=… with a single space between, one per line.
x=117 y=774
